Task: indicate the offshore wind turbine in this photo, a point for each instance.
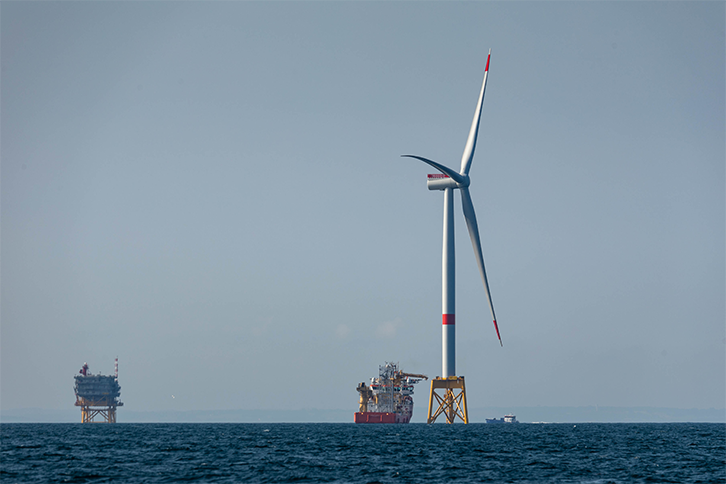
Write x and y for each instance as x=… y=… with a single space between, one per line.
x=453 y=402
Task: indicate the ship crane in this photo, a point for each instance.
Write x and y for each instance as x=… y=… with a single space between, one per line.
x=365 y=395
x=413 y=375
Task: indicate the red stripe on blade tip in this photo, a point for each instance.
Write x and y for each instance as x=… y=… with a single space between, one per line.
x=497 y=328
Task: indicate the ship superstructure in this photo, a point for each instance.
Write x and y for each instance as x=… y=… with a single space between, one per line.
x=388 y=398
x=97 y=395
x=506 y=419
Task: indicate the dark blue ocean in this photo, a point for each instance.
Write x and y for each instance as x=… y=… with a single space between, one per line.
x=415 y=453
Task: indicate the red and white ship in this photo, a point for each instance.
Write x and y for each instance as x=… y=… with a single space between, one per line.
x=388 y=398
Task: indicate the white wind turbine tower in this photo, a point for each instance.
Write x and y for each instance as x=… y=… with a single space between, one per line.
x=453 y=401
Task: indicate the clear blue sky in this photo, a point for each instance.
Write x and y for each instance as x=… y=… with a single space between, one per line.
x=213 y=192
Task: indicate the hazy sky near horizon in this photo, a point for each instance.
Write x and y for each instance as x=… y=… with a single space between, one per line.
x=213 y=192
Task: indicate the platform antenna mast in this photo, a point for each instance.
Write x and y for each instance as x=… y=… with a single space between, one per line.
x=452 y=403
x=115 y=369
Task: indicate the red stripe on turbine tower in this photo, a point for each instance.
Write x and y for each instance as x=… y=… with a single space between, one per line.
x=448 y=319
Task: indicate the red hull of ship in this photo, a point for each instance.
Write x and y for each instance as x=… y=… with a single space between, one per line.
x=375 y=417
x=378 y=417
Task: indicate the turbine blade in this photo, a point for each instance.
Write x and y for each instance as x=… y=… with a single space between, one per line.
x=471 y=140
x=473 y=227
x=443 y=169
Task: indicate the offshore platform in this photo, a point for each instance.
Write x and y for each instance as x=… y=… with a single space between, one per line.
x=97 y=395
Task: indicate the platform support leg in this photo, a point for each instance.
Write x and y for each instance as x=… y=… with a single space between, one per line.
x=89 y=413
x=451 y=402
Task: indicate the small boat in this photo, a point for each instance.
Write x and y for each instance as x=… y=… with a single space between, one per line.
x=506 y=419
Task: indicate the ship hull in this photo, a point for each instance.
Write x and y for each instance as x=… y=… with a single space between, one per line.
x=380 y=418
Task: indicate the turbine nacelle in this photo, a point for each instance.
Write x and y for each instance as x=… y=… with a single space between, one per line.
x=439 y=181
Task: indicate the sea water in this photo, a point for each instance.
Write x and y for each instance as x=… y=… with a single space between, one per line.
x=414 y=453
